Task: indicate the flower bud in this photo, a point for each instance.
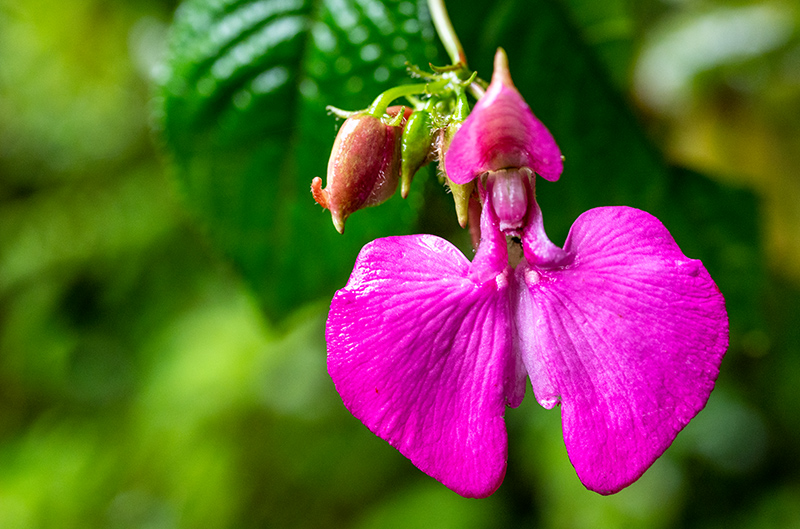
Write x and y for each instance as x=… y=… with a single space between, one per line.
x=417 y=147
x=364 y=166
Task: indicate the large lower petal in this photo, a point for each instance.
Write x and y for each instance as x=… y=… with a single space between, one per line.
x=628 y=337
x=421 y=354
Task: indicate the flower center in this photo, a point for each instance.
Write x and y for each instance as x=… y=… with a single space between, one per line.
x=509 y=196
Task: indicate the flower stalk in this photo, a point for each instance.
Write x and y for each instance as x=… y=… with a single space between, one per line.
x=441 y=21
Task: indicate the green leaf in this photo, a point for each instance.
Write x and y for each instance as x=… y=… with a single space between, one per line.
x=608 y=27
x=244 y=118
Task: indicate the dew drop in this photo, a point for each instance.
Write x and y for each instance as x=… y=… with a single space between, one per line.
x=324 y=38
x=206 y=86
x=270 y=80
x=309 y=89
x=343 y=13
x=381 y=74
x=406 y=8
x=411 y=26
x=242 y=99
x=370 y=52
x=358 y=35
x=342 y=65
x=317 y=68
x=549 y=403
x=354 y=85
x=399 y=60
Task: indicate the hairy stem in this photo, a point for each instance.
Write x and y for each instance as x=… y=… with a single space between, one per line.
x=378 y=107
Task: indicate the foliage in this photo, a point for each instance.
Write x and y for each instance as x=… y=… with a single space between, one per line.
x=244 y=110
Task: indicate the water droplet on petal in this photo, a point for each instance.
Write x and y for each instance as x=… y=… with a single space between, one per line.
x=549 y=402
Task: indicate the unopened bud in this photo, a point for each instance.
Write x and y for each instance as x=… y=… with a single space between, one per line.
x=364 y=166
x=417 y=147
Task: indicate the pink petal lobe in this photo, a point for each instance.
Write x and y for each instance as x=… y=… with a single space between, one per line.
x=491 y=257
x=628 y=337
x=502 y=132
x=539 y=251
x=421 y=354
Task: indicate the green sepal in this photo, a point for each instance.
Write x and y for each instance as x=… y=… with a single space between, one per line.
x=461 y=192
x=461 y=196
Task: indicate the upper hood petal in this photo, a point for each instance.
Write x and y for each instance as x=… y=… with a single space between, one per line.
x=502 y=132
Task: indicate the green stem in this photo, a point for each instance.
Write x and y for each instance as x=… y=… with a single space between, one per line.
x=476 y=90
x=441 y=21
x=382 y=102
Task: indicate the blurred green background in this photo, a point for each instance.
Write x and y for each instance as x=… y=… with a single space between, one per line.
x=164 y=273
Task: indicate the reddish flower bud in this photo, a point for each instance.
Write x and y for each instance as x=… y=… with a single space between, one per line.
x=364 y=166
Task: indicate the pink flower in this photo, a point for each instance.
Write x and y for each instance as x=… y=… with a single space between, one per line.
x=619 y=328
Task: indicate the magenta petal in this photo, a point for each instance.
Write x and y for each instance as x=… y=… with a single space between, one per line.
x=628 y=338
x=502 y=132
x=421 y=354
